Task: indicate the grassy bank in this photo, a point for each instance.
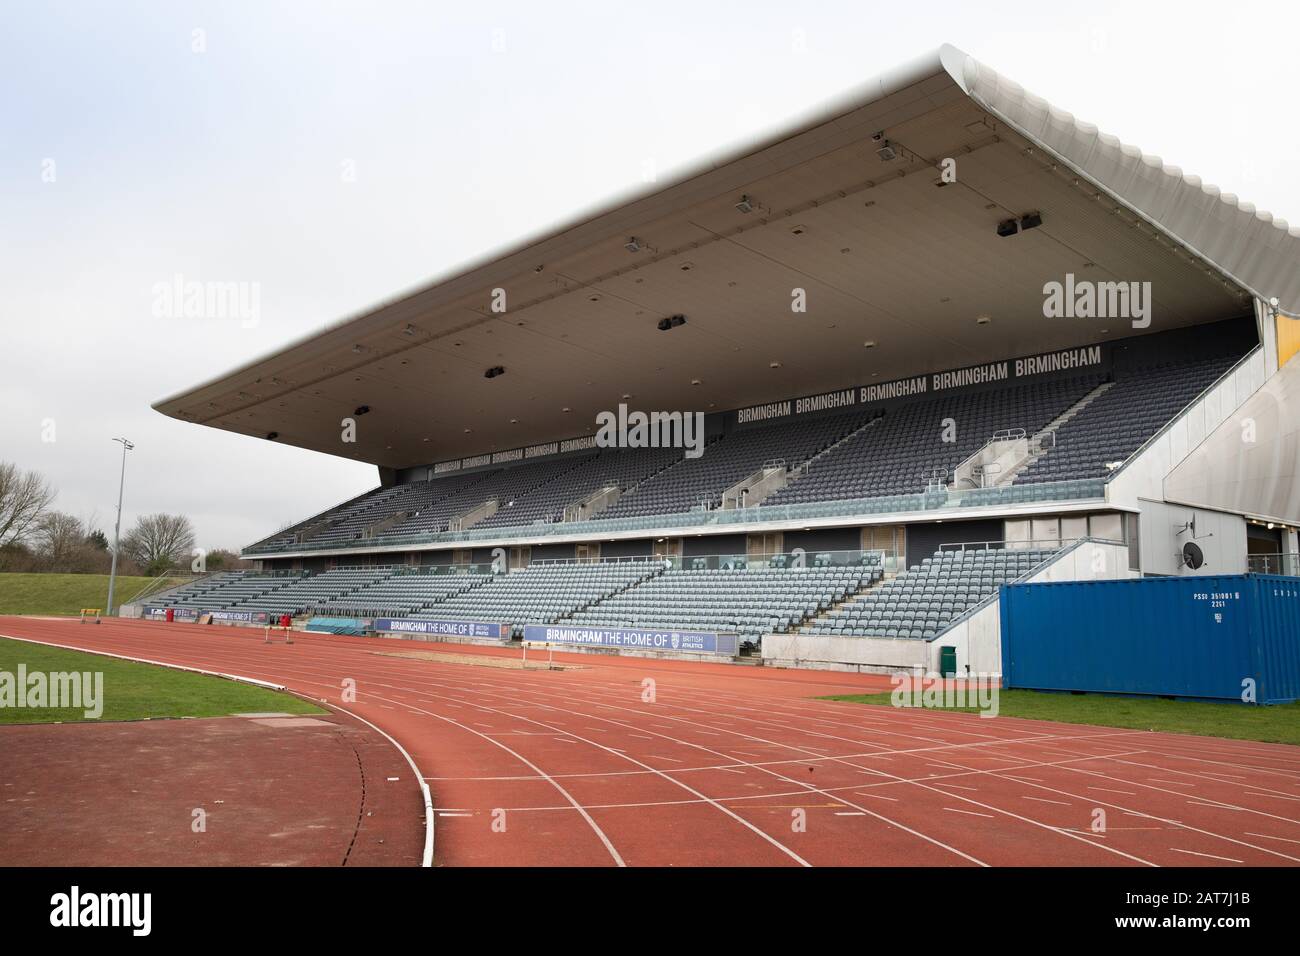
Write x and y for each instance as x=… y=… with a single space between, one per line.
x=64 y=593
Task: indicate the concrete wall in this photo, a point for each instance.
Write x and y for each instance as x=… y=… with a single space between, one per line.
x=827 y=652
x=1221 y=536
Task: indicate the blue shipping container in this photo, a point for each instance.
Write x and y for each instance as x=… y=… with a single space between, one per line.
x=1203 y=637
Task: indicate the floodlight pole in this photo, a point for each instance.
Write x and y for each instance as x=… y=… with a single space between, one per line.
x=117 y=527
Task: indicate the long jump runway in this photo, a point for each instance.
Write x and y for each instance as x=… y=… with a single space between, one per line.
x=627 y=761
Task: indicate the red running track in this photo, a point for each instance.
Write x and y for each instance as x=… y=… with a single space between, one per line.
x=628 y=761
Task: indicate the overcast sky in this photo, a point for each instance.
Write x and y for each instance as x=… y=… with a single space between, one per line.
x=134 y=149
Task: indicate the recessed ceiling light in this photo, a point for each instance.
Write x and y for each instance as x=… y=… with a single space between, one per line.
x=774 y=364
x=869 y=344
x=566 y=409
x=983 y=320
x=695 y=381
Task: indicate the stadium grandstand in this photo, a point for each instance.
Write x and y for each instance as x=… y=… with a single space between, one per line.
x=938 y=336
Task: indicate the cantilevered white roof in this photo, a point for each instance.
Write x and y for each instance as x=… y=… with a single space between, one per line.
x=884 y=255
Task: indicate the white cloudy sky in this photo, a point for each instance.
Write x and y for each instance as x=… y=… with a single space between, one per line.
x=469 y=125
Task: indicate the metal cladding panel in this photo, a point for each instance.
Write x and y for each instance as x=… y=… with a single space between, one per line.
x=1278 y=637
x=1197 y=637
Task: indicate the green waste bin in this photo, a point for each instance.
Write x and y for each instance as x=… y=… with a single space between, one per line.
x=947 y=662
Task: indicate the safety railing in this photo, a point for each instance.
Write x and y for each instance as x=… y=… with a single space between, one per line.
x=933 y=500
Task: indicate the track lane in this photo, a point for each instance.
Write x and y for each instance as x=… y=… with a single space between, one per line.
x=691 y=736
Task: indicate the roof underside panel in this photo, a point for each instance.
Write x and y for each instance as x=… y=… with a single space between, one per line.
x=1256 y=249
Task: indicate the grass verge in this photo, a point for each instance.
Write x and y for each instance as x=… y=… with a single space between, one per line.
x=133 y=691
x=1279 y=723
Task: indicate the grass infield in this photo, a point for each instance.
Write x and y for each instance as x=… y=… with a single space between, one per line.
x=65 y=593
x=136 y=691
x=1279 y=723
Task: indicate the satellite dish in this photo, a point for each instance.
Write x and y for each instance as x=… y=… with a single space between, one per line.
x=1193 y=557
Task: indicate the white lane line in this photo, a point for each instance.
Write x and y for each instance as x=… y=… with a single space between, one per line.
x=969 y=812
x=618 y=860
x=811 y=788
x=1208 y=856
x=1045 y=800
x=849 y=813
x=1275 y=796
x=447 y=814
x=1127 y=793
x=689 y=789
x=1267 y=837
x=955 y=786
x=1178 y=823
x=946 y=746
x=878 y=796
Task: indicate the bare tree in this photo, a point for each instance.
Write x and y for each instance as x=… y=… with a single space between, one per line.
x=158 y=542
x=60 y=538
x=25 y=496
x=223 y=559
